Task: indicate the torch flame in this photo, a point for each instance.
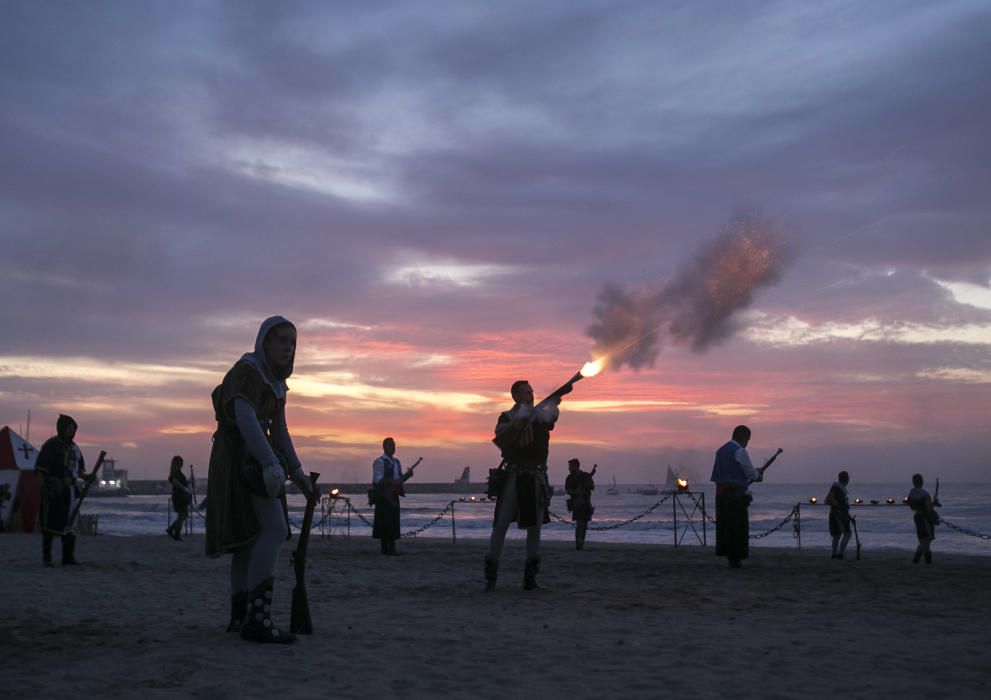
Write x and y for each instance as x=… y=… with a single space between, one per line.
x=590 y=369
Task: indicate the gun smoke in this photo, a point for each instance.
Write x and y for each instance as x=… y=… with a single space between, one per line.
x=697 y=306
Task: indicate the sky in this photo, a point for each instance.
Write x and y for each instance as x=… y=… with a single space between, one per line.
x=438 y=194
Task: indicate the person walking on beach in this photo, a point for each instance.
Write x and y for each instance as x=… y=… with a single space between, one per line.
x=925 y=516
x=182 y=497
x=839 y=514
x=579 y=486
x=387 y=484
x=251 y=457
x=523 y=434
x=733 y=472
x=59 y=465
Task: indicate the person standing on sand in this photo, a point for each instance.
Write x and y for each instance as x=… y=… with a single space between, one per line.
x=59 y=465
x=387 y=482
x=251 y=457
x=839 y=514
x=733 y=472
x=523 y=434
x=925 y=516
x=182 y=497
x=579 y=486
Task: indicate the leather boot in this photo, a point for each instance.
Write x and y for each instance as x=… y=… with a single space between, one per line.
x=530 y=571
x=69 y=550
x=239 y=609
x=491 y=574
x=46 y=549
x=258 y=625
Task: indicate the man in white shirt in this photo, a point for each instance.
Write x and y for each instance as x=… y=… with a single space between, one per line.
x=733 y=472
x=387 y=475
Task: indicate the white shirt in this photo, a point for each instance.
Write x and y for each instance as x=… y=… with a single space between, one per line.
x=743 y=459
x=379 y=468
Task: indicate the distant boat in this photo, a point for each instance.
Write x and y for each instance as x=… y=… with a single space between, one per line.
x=465 y=477
x=612 y=490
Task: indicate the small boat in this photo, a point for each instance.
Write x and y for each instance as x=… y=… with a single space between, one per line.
x=612 y=490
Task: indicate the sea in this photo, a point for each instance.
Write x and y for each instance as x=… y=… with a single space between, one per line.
x=631 y=516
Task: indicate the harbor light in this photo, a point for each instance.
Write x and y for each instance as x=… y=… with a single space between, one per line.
x=858 y=501
x=813 y=500
x=335 y=493
x=682 y=484
x=891 y=501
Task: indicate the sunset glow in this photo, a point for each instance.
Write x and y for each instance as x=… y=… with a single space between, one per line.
x=449 y=201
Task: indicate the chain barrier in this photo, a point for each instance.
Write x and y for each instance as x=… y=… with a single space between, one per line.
x=963 y=530
x=765 y=533
x=417 y=531
x=602 y=528
x=411 y=533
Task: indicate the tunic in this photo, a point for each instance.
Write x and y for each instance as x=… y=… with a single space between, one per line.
x=231 y=521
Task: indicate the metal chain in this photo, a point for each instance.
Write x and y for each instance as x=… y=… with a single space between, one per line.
x=761 y=535
x=617 y=525
x=411 y=533
x=963 y=530
x=414 y=533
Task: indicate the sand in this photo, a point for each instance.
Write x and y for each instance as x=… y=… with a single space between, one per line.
x=145 y=616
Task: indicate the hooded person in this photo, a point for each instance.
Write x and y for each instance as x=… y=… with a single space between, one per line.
x=251 y=458
x=59 y=464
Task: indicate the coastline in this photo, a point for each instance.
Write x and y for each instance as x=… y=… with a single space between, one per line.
x=147 y=614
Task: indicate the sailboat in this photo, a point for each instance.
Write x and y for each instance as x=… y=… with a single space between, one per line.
x=612 y=490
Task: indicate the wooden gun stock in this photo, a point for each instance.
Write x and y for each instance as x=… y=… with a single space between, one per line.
x=299 y=618
x=89 y=479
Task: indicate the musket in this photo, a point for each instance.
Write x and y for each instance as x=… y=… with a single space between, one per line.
x=769 y=462
x=856 y=534
x=299 y=618
x=89 y=479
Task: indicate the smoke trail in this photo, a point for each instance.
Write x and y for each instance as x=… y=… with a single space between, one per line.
x=696 y=306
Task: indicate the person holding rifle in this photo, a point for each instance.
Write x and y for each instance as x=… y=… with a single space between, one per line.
x=523 y=434
x=182 y=497
x=839 y=514
x=579 y=486
x=733 y=472
x=59 y=465
x=925 y=516
x=251 y=458
x=387 y=483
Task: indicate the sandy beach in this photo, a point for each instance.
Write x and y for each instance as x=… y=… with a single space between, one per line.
x=145 y=615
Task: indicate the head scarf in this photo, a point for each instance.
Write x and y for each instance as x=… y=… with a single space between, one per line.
x=63 y=425
x=260 y=362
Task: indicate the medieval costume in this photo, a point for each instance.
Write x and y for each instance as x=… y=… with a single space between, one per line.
x=386 y=475
x=732 y=473
x=59 y=464
x=526 y=494
x=925 y=517
x=579 y=486
x=839 y=517
x=252 y=455
x=182 y=497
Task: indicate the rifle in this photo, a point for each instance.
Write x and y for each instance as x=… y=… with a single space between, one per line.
x=89 y=479
x=856 y=534
x=192 y=486
x=385 y=486
x=299 y=619
x=769 y=462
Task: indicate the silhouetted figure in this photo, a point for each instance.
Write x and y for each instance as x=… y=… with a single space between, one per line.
x=733 y=472
x=251 y=457
x=523 y=434
x=579 y=486
x=59 y=465
x=182 y=498
x=839 y=514
x=925 y=516
x=387 y=482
